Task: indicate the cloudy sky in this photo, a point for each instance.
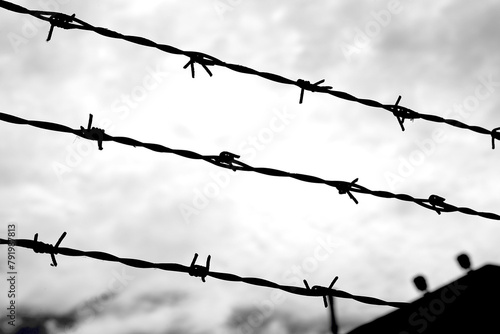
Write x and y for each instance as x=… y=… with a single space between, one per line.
x=442 y=58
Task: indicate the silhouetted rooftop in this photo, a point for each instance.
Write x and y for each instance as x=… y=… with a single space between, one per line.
x=466 y=305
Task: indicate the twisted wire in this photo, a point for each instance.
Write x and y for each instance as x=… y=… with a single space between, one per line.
x=199 y=271
x=401 y=113
x=229 y=161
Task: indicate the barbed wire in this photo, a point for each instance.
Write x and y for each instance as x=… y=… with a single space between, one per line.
x=229 y=161
x=64 y=21
x=194 y=270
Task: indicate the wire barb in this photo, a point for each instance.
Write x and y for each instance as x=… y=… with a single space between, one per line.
x=92 y=133
x=345 y=188
x=436 y=202
x=59 y=20
x=228 y=159
x=200 y=59
x=402 y=113
x=307 y=85
x=197 y=270
x=324 y=292
x=41 y=247
x=495 y=134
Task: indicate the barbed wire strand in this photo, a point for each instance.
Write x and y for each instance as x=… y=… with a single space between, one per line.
x=64 y=21
x=228 y=160
x=193 y=270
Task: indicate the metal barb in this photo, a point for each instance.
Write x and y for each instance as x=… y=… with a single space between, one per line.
x=197 y=270
x=41 y=247
x=228 y=158
x=59 y=20
x=495 y=134
x=395 y=111
x=346 y=189
x=197 y=58
x=435 y=201
x=304 y=84
x=93 y=133
x=321 y=289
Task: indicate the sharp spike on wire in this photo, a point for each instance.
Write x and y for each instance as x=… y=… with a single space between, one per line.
x=495 y=134
x=51 y=30
x=194 y=259
x=91 y=117
x=206 y=69
x=345 y=188
x=199 y=271
x=333 y=282
x=395 y=112
x=190 y=63
x=59 y=20
x=325 y=302
x=93 y=133
x=436 y=201
x=41 y=247
x=197 y=58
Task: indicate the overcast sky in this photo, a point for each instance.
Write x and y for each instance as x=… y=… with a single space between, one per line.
x=442 y=58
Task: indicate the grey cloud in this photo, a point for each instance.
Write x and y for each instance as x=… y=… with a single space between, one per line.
x=245 y=319
x=455 y=35
x=100 y=306
x=153 y=300
x=147 y=303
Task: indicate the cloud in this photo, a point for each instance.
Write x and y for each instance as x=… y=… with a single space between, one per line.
x=99 y=308
x=148 y=301
x=251 y=320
